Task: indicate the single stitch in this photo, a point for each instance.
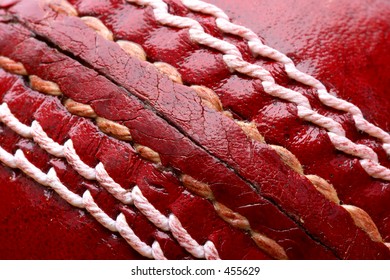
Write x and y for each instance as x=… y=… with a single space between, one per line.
x=9 y=119
x=112 y=128
x=111 y=186
x=98 y=26
x=135 y=242
x=147 y=153
x=363 y=220
x=324 y=187
x=79 y=109
x=169 y=70
x=43 y=86
x=30 y=169
x=184 y=239
x=258 y=48
x=269 y=245
x=132 y=49
x=74 y=160
x=233 y=59
x=64 y=192
x=7 y=158
x=97 y=212
x=41 y=138
x=149 y=211
x=62 y=7
x=210 y=251
x=12 y=66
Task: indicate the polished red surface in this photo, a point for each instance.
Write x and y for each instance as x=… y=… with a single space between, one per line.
x=195 y=140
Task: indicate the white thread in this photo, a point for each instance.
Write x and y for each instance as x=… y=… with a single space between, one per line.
x=149 y=211
x=75 y=161
x=7 y=158
x=111 y=186
x=210 y=251
x=184 y=239
x=46 y=143
x=258 y=48
x=97 y=212
x=233 y=59
x=10 y=120
x=100 y=174
x=157 y=251
x=30 y=169
x=64 y=192
x=51 y=180
x=135 y=242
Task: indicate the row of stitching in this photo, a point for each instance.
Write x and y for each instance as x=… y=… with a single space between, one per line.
x=265 y=243
x=135 y=197
x=233 y=58
x=86 y=201
x=360 y=217
x=259 y=49
x=250 y=129
x=320 y=184
x=211 y=100
x=100 y=174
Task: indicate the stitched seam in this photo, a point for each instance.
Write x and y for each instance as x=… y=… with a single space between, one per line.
x=280 y=147
x=233 y=59
x=235 y=219
x=99 y=174
x=287 y=155
x=259 y=49
x=51 y=180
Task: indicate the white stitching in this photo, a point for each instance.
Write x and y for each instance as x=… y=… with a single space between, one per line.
x=184 y=238
x=9 y=119
x=74 y=160
x=258 y=48
x=233 y=59
x=64 y=192
x=51 y=180
x=111 y=186
x=97 y=212
x=149 y=211
x=128 y=234
x=136 y=197
x=44 y=141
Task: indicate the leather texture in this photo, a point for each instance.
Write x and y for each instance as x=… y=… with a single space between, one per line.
x=342 y=44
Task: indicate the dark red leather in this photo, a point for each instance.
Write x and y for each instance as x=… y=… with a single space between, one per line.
x=247 y=176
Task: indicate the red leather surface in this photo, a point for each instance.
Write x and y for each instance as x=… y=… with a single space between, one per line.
x=350 y=61
x=196 y=140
